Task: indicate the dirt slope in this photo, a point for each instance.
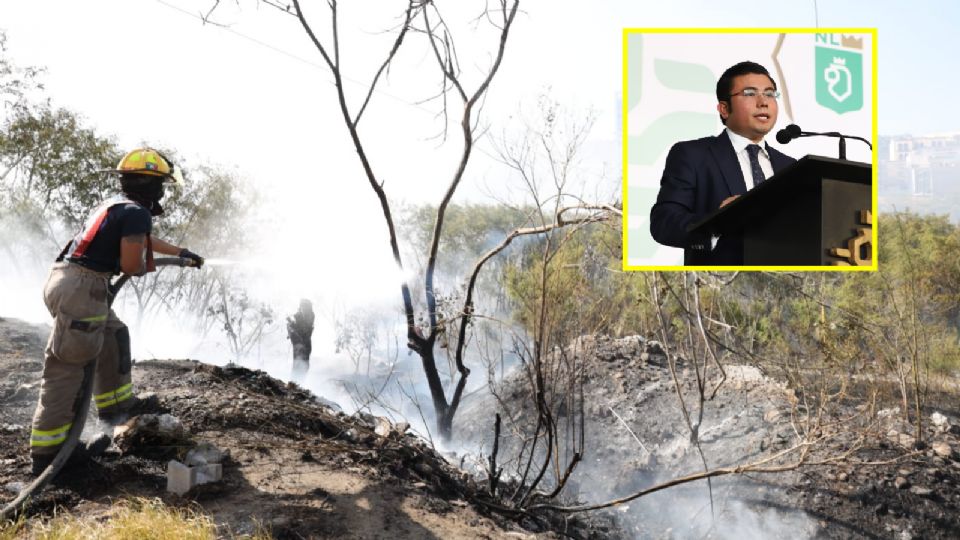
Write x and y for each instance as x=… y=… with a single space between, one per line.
x=295 y=466
x=636 y=438
x=304 y=471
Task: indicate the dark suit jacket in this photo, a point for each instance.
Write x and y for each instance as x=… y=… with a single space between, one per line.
x=697 y=177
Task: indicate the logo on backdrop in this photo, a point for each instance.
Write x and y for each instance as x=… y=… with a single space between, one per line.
x=839 y=72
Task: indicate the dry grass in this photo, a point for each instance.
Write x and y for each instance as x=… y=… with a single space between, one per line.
x=134 y=519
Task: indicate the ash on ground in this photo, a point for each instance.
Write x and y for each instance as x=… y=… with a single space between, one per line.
x=636 y=437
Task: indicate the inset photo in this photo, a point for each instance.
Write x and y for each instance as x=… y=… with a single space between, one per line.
x=749 y=149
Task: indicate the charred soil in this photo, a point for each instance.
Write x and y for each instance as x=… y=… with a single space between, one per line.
x=294 y=467
x=886 y=486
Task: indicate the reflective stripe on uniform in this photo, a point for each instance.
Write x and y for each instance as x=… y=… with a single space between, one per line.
x=50 y=437
x=113 y=397
x=92 y=226
x=84 y=240
x=87 y=324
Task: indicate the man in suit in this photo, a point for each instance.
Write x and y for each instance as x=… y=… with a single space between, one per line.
x=702 y=175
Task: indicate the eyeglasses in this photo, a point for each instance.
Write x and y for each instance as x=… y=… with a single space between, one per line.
x=751 y=92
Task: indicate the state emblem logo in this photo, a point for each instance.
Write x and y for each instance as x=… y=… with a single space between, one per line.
x=839 y=72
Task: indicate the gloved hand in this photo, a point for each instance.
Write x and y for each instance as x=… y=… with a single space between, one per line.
x=187 y=254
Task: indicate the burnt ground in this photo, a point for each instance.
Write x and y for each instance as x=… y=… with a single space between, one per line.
x=302 y=470
x=295 y=467
x=886 y=488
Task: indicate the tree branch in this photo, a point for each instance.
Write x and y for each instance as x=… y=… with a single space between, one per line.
x=603 y=213
x=465 y=124
x=415 y=340
x=409 y=14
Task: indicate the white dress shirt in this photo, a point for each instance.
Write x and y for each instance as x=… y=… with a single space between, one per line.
x=740 y=144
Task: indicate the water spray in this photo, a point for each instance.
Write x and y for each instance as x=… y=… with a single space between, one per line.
x=222 y=262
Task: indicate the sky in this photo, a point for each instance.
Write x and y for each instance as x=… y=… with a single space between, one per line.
x=252 y=93
x=255 y=92
x=151 y=70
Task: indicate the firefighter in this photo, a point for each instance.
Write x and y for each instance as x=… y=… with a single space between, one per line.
x=115 y=238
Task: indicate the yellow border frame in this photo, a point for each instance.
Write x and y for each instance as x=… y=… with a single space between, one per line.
x=624 y=136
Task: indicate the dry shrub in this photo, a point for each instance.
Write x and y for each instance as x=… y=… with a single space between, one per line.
x=133 y=519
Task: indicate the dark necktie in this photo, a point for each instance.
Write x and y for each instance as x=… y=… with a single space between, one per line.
x=754 y=151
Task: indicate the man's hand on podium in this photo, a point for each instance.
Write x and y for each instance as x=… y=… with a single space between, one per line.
x=728 y=200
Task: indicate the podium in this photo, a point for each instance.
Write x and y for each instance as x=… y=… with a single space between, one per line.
x=817 y=212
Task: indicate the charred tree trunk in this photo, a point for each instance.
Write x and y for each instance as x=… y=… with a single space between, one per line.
x=300 y=331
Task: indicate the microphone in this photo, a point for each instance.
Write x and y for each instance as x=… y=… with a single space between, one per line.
x=789 y=133
x=793 y=131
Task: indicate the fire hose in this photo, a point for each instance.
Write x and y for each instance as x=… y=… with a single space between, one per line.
x=86 y=392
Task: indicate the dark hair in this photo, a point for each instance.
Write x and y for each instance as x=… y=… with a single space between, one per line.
x=725 y=83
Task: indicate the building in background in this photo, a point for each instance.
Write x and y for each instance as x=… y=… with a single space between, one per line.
x=920 y=173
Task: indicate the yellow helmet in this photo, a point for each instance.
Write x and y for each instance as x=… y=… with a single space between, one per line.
x=149 y=162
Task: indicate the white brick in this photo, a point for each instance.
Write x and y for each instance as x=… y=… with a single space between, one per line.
x=180 y=478
x=205 y=474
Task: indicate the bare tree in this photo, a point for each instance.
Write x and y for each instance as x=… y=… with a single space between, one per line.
x=244 y=320
x=421 y=340
x=544 y=417
x=420 y=17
